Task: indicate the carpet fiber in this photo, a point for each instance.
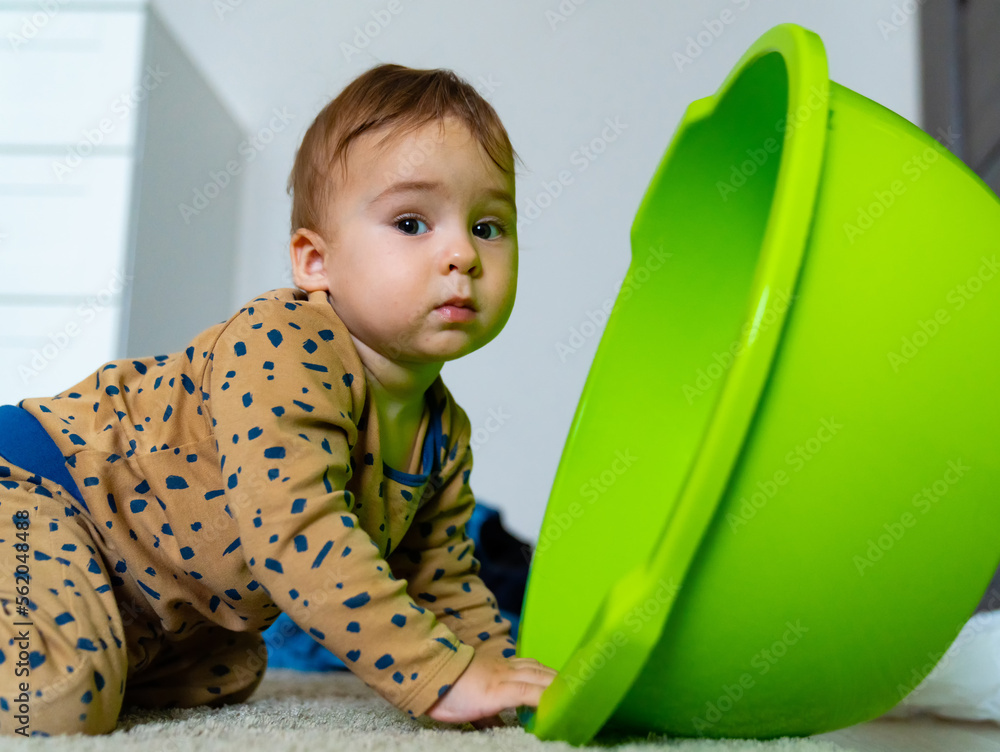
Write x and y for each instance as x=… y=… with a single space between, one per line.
x=305 y=712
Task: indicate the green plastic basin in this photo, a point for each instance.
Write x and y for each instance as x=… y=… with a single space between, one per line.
x=778 y=500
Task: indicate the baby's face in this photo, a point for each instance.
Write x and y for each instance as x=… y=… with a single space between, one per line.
x=419 y=220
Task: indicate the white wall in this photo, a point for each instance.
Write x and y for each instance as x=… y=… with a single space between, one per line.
x=554 y=83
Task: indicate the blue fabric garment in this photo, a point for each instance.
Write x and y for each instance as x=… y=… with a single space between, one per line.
x=23 y=442
x=504 y=562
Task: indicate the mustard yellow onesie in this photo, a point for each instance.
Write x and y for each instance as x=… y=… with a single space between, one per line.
x=214 y=488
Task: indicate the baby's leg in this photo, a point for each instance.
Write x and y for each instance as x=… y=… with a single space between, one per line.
x=214 y=666
x=62 y=659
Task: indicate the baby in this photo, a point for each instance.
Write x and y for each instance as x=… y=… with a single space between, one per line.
x=303 y=456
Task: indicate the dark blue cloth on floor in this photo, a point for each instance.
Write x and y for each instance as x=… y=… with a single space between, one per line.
x=503 y=560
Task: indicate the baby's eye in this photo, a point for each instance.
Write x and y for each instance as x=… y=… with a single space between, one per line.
x=411 y=225
x=480 y=227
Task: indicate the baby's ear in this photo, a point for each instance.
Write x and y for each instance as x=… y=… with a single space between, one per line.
x=308 y=253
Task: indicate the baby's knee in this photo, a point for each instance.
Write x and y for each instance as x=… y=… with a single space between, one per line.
x=77 y=699
x=243 y=690
x=61 y=672
x=217 y=667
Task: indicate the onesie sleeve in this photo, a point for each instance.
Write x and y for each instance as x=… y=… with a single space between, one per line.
x=282 y=404
x=436 y=558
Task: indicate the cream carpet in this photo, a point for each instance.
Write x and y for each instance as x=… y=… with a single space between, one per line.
x=306 y=712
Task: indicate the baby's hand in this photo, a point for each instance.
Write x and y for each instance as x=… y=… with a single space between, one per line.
x=489 y=685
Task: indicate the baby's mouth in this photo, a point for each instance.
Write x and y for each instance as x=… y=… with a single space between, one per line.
x=458 y=310
x=459 y=301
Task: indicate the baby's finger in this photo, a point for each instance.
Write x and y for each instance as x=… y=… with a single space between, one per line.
x=540 y=671
x=522 y=693
x=533 y=676
x=531 y=662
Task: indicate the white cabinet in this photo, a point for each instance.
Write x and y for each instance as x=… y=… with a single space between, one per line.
x=108 y=130
x=65 y=71
x=66 y=236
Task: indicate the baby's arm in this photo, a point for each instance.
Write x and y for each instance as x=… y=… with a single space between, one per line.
x=436 y=558
x=284 y=448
